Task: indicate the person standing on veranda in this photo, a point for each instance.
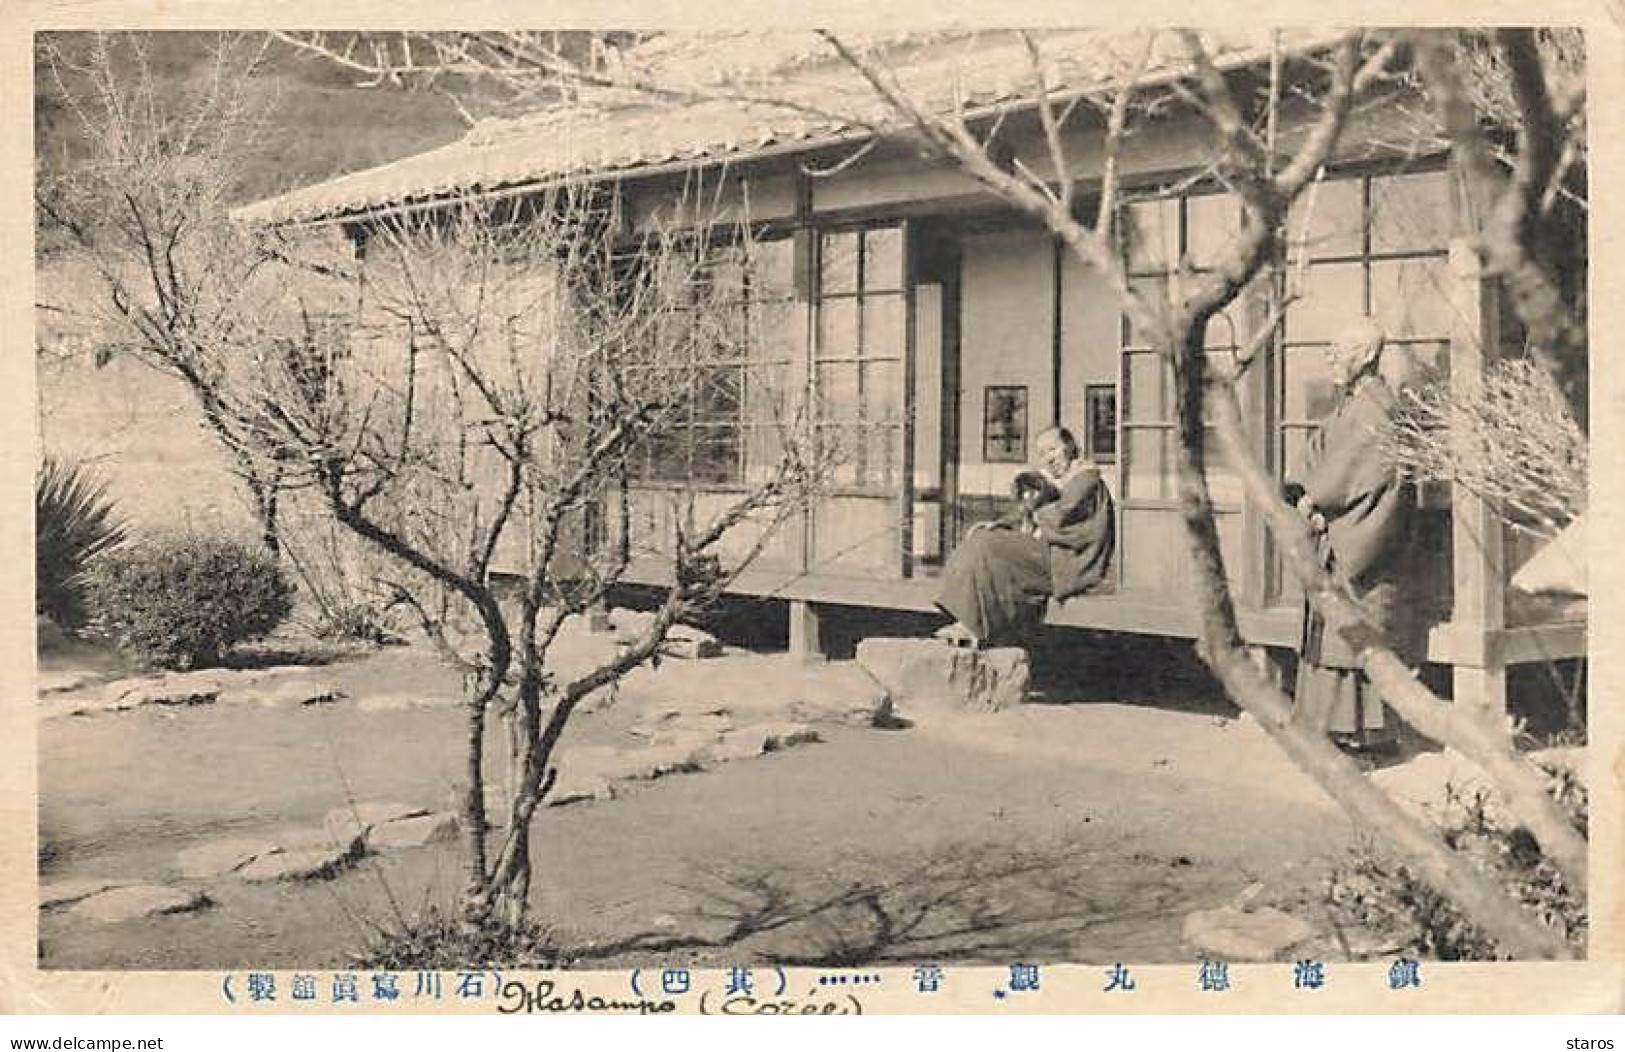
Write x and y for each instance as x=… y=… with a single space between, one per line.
x=999 y=571
x=1363 y=512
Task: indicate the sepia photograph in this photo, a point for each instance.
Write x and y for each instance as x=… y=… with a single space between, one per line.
x=845 y=504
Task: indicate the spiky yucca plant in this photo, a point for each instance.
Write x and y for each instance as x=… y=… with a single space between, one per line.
x=74 y=522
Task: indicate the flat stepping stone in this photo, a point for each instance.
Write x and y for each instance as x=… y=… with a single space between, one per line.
x=755 y=688
x=221 y=857
x=344 y=824
x=1232 y=934
x=66 y=892
x=580 y=788
x=672 y=727
x=140 y=900
x=301 y=864
x=67 y=682
x=417 y=831
x=399 y=701
x=176 y=688
x=290 y=695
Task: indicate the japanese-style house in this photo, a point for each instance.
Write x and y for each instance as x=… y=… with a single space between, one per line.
x=943 y=331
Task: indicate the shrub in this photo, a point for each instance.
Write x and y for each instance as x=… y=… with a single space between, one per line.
x=1387 y=898
x=358 y=622
x=74 y=523
x=439 y=941
x=182 y=602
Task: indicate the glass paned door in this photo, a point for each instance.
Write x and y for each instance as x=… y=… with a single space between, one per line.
x=859 y=365
x=1152 y=554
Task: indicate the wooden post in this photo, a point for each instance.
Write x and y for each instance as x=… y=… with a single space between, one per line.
x=1264 y=659
x=804 y=635
x=1257 y=395
x=1478 y=560
x=905 y=503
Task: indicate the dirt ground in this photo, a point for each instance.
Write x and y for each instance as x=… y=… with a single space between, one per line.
x=1082 y=827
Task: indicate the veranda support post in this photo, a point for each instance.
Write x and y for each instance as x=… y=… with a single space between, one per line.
x=1478 y=556
x=805 y=644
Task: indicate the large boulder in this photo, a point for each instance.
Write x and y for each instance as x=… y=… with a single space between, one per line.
x=926 y=676
x=139 y=900
x=1233 y=934
x=1435 y=786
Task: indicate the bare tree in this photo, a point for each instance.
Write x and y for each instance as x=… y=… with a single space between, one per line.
x=1511 y=104
x=1268 y=170
x=471 y=399
x=145 y=208
x=1509 y=439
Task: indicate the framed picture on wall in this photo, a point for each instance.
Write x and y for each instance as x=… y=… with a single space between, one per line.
x=1004 y=425
x=1100 y=423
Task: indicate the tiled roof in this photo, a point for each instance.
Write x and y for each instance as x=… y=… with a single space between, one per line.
x=622 y=132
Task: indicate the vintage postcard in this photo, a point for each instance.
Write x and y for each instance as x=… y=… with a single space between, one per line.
x=987 y=512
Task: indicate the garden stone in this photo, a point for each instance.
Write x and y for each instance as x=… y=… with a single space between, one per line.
x=688 y=642
x=177 y=688
x=66 y=681
x=221 y=857
x=1232 y=934
x=759 y=740
x=674 y=728
x=654 y=761
x=691 y=649
x=587 y=764
x=417 y=831
x=756 y=687
x=630 y=625
x=299 y=864
x=347 y=824
x=689 y=632
x=926 y=676
x=291 y=695
x=690 y=744
x=140 y=900
x=580 y=787
x=1424 y=786
x=397 y=701
x=67 y=892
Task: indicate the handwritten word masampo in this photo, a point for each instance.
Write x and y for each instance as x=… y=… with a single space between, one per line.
x=544 y=996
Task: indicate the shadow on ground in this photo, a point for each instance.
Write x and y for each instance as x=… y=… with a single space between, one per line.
x=968 y=903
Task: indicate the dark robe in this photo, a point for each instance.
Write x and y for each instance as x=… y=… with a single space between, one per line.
x=996 y=576
x=1370 y=513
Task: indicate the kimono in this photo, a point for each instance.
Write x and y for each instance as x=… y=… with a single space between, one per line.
x=996 y=576
x=1370 y=513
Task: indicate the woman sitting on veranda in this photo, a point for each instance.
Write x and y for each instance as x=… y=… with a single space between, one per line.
x=1000 y=569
